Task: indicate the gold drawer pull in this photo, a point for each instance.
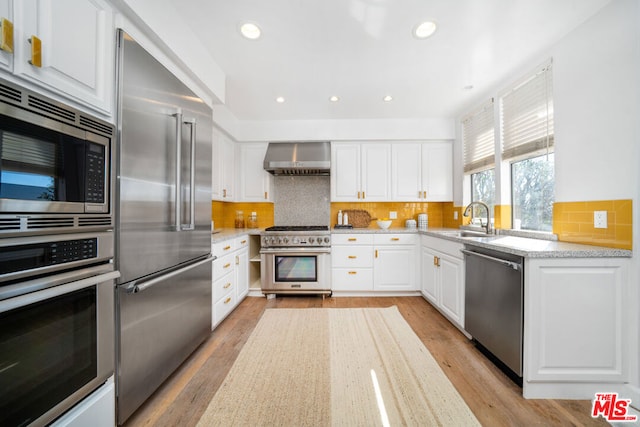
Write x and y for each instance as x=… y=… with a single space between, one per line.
x=36 y=52
x=226 y=248
x=395 y=239
x=352 y=257
x=266 y=195
x=227 y=265
x=6 y=43
x=352 y=239
x=228 y=300
x=376 y=255
x=227 y=285
x=353 y=272
x=242 y=242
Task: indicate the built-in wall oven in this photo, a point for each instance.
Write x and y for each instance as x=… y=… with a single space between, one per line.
x=56 y=323
x=55 y=164
x=57 y=278
x=296 y=260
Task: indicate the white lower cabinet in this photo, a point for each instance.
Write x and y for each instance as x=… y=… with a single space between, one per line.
x=575 y=326
x=374 y=262
x=442 y=281
x=230 y=277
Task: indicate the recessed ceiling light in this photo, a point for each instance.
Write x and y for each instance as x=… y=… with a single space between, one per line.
x=387 y=98
x=280 y=100
x=334 y=99
x=250 y=30
x=424 y=30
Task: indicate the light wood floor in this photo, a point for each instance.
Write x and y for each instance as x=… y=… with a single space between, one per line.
x=493 y=398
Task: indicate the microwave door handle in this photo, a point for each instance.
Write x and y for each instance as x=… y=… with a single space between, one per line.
x=192 y=178
x=178 y=183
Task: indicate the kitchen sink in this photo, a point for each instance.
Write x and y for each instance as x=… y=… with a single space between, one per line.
x=466 y=233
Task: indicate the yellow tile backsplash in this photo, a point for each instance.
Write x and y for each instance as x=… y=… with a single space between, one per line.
x=405 y=210
x=502 y=215
x=224 y=213
x=573 y=222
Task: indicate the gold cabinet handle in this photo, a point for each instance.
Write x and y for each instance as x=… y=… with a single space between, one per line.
x=353 y=272
x=36 y=52
x=352 y=257
x=224 y=192
x=376 y=253
x=395 y=239
x=6 y=39
x=237 y=260
x=358 y=194
x=228 y=300
x=363 y=195
x=227 y=285
x=226 y=248
x=227 y=265
x=352 y=239
x=435 y=260
x=266 y=195
x=425 y=194
x=242 y=242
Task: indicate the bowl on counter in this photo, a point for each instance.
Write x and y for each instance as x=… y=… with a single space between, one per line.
x=384 y=223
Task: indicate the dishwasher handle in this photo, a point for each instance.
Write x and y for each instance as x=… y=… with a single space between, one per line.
x=514 y=265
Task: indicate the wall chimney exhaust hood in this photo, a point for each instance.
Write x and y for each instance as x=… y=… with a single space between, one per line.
x=298 y=158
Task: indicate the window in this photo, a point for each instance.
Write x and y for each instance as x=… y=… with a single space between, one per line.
x=526 y=120
x=479 y=155
x=532 y=193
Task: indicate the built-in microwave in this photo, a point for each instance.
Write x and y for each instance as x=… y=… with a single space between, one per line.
x=55 y=166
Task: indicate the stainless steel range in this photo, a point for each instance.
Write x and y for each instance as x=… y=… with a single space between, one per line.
x=296 y=260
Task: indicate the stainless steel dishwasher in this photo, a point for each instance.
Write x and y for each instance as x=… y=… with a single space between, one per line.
x=494 y=304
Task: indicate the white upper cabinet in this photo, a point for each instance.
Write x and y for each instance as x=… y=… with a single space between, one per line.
x=254 y=183
x=77 y=48
x=6 y=39
x=223 y=167
x=422 y=172
x=360 y=172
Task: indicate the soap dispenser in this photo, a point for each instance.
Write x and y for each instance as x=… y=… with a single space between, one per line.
x=340 y=217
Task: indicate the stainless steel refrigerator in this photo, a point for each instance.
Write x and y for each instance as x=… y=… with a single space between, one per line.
x=163 y=232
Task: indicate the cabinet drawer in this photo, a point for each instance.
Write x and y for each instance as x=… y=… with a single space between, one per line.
x=220 y=249
x=223 y=265
x=241 y=242
x=352 y=239
x=395 y=239
x=223 y=307
x=446 y=246
x=352 y=256
x=223 y=286
x=352 y=279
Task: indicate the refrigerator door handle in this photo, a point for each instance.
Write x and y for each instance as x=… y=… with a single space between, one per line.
x=192 y=178
x=136 y=287
x=178 y=198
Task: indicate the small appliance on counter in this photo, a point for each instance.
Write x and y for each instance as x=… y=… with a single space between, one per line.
x=410 y=224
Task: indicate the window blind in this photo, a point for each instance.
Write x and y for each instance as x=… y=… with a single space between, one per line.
x=478 y=138
x=526 y=115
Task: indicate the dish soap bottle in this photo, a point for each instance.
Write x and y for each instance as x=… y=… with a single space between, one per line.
x=340 y=218
x=345 y=219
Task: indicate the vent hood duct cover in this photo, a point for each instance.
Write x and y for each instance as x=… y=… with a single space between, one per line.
x=298 y=158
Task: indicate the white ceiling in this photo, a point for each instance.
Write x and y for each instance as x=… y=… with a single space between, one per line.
x=362 y=50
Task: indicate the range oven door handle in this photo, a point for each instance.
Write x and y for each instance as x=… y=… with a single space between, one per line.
x=295 y=251
x=52 y=292
x=136 y=286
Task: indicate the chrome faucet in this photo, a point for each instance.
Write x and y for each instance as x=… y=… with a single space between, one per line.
x=467 y=210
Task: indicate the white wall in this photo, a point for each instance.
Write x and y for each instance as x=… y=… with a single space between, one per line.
x=596 y=70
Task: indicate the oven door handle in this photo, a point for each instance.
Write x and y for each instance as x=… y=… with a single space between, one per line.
x=136 y=287
x=52 y=292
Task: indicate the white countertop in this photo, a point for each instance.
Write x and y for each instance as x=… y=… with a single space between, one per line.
x=222 y=234
x=517 y=245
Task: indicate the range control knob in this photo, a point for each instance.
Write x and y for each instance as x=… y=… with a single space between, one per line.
x=327 y=240
x=285 y=240
x=295 y=240
x=312 y=239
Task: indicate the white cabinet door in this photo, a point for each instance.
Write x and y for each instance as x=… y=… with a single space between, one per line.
x=242 y=273
x=78 y=48
x=429 y=279
x=345 y=172
x=451 y=287
x=253 y=181
x=406 y=172
x=437 y=171
x=6 y=12
x=394 y=268
x=376 y=170
x=223 y=167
